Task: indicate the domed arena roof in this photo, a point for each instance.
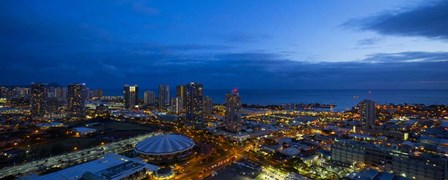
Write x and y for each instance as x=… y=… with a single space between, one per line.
x=164 y=144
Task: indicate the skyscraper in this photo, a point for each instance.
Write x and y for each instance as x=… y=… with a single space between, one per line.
x=367 y=113
x=233 y=112
x=38 y=99
x=176 y=105
x=149 y=98
x=164 y=97
x=130 y=95
x=194 y=102
x=180 y=92
x=208 y=107
x=76 y=97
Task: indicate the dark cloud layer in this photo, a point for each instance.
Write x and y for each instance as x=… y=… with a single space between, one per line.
x=49 y=49
x=428 y=20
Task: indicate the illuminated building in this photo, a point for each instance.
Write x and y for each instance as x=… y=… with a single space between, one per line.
x=38 y=99
x=76 y=97
x=164 y=97
x=176 y=105
x=409 y=165
x=149 y=98
x=130 y=95
x=194 y=102
x=367 y=113
x=180 y=92
x=208 y=107
x=102 y=111
x=233 y=112
x=111 y=166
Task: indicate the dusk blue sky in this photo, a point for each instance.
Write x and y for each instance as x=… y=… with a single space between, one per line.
x=345 y=44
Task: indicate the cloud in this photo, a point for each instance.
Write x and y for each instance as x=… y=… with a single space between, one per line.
x=40 y=49
x=368 y=41
x=408 y=57
x=241 y=37
x=427 y=20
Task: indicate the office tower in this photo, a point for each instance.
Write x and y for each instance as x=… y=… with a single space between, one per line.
x=38 y=99
x=164 y=97
x=233 y=112
x=367 y=113
x=180 y=92
x=149 y=98
x=76 y=97
x=130 y=95
x=208 y=107
x=194 y=102
x=176 y=105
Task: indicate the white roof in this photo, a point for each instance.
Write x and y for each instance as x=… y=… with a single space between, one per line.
x=164 y=144
x=101 y=167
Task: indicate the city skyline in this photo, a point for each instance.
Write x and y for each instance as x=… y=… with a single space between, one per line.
x=298 y=45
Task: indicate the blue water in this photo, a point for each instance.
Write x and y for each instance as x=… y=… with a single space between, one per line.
x=342 y=98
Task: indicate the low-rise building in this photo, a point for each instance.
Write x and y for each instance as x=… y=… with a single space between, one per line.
x=409 y=165
x=110 y=167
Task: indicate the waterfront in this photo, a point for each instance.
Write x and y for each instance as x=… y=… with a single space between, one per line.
x=343 y=99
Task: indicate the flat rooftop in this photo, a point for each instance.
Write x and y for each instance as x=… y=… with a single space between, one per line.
x=111 y=166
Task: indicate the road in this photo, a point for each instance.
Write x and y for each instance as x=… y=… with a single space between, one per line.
x=77 y=157
x=201 y=171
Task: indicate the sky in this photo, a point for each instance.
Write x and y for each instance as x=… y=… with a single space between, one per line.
x=251 y=44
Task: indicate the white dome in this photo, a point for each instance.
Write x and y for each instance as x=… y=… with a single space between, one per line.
x=164 y=144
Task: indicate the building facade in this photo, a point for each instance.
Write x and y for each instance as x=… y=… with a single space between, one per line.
x=367 y=113
x=149 y=98
x=176 y=105
x=180 y=92
x=194 y=97
x=130 y=96
x=409 y=165
x=164 y=97
x=76 y=97
x=233 y=120
x=38 y=99
x=208 y=107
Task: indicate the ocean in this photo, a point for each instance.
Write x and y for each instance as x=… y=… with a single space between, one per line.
x=343 y=99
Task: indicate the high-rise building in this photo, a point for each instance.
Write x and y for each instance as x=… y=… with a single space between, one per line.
x=76 y=98
x=164 y=97
x=208 y=107
x=130 y=95
x=149 y=97
x=176 y=105
x=180 y=92
x=38 y=99
x=194 y=97
x=233 y=112
x=367 y=113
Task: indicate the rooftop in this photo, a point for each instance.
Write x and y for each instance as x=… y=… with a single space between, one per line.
x=111 y=166
x=164 y=144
